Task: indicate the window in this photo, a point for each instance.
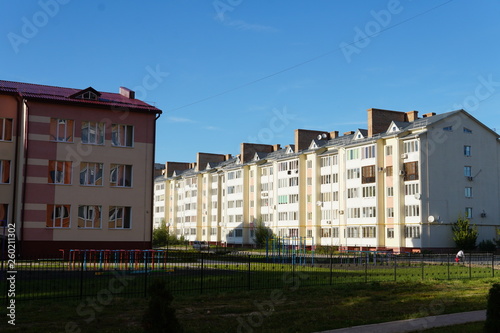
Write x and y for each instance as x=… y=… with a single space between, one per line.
x=5 y=129
x=90 y=174
x=352 y=232
x=58 y=216
x=4 y=172
x=352 y=193
x=369 y=232
x=293 y=232
x=390 y=191
x=309 y=164
x=448 y=128
x=120 y=175
x=294 y=181
x=467 y=171
x=411 y=146
x=326 y=232
x=61 y=130
x=353 y=173
x=119 y=217
x=369 y=212
x=412 y=210
x=93 y=132
x=282 y=199
x=390 y=212
x=122 y=135
x=410 y=171
x=89 y=217
x=353 y=154
x=412 y=232
x=59 y=172
x=468 y=212
x=388 y=171
x=467 y=151
x=326 y=179
x=4 y=215
x=238 y=232
x=368 y=174
x=388 y=150
x=468 y=192
x=390 y=232
x=353 y=213
x=468 y=131
x=411 y=189
x=326 y=161
x=368 y=152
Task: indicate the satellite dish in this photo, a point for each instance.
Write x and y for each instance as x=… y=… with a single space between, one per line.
x=430 y=219
x=417 y=196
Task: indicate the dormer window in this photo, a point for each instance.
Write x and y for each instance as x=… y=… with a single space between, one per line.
x=448 y=128
x=89 y=95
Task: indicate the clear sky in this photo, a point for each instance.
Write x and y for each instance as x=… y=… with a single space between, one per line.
x=232 y=71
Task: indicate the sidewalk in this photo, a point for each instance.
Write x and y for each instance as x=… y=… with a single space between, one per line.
x=412 y=325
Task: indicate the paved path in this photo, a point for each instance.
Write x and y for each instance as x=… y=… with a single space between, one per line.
x=412 y=325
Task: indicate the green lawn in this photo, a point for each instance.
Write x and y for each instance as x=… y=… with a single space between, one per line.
x=292 y=307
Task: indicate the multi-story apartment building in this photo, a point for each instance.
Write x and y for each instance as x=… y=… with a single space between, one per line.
x=398 y=185
x=77 y=168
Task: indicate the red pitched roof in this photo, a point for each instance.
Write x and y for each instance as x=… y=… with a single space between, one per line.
x=67 y=95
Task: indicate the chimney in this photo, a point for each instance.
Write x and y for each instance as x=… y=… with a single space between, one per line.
x=349 y=133
x=430 y=114
x=228 y=157
x=276 y=147
x=304 y=137
x=379 y=120
x=411 y=116
x=125 y=92
x=334 y=134
x=248 y=150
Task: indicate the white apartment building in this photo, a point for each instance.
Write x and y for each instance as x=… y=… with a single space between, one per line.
x=398 y=185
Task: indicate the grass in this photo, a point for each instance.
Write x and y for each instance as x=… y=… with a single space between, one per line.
x=292 y=307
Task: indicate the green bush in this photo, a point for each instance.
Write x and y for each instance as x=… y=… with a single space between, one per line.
x=493 y=310
x=487 y=246
x=160 y=317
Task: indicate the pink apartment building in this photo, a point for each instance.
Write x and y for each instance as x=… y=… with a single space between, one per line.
x=76 y=168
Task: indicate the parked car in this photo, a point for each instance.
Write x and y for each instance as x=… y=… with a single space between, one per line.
x=200 y=245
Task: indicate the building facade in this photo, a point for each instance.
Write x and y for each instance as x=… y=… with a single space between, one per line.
x=76 y=168
x=399 y=185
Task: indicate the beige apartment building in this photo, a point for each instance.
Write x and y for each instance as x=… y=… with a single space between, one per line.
x=398 y=185
x=77 y=167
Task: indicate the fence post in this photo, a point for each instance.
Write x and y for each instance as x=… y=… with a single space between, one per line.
x=249 y=264
x=422 y=263
x=448 y=259
x=395 y=259
x=81 y=276
x=470 y=265
x=201 y=275
x=146 y=274
x=492 y=264
x=366 y=267
x=331 y=267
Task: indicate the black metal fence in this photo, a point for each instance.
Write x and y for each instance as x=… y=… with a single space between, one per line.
x=129 y=273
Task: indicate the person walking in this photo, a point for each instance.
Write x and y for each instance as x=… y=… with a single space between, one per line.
x=460 y=256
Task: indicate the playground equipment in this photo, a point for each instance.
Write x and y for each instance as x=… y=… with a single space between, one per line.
x=289 y=250
x=131 y=260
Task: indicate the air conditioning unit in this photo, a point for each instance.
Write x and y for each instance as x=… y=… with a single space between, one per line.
x=341 y=212
x=328 y=222
x=289 y=172
x=470 y=178
x=404 y=156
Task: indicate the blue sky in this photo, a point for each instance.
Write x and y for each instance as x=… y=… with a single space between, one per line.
x=232 y=71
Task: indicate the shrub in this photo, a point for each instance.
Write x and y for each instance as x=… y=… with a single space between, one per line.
x=487 y=246
x=493 y=310
x=464 y=234
x=159 y=316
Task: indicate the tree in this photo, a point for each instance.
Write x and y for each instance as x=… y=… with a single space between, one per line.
x=464 y=234
x=160 y=235
x=159 y=316
x=262 y=233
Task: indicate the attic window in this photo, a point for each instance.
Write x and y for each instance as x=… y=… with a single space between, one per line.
x=394 y=128
x=89 y=95
x=448 y=128
x=468 y=131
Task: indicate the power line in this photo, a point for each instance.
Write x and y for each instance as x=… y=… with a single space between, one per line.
x=309 y=60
